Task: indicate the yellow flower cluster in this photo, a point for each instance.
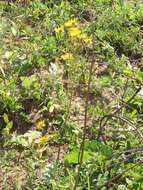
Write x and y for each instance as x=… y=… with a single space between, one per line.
x=74 y=31
x=86 y=39
x=70 y=23
x=59 y=29
x=40 y=124
x=67 y=57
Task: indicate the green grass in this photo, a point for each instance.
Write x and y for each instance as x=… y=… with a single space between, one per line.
x=71 y=95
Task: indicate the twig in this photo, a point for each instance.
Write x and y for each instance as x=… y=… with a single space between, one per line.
x=131 y=124
x=108 y=116
x=118 y=175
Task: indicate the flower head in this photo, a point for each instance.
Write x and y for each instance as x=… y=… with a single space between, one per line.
x=59 y=29
x=40 y=124
x=74 y=32
x=86 y=39
x=42 y=140
x=71 y=22
x=67 y=56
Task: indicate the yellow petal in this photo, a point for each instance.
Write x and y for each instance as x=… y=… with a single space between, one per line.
x=74 y=32
x=59 y=29
x=71 y=22
x=67 y=56
x=85 y=38
x=40 y=124
x=42 y=140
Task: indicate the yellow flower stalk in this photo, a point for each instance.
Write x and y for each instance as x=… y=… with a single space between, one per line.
x=40 y=124
x=74 y=32
x=71 y=22
x=67 y=56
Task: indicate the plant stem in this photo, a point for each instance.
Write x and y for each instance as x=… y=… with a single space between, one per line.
x=81 y=151
x=65 y=122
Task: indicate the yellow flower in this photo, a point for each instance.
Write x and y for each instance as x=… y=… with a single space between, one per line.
x=42 y=140
x=59 y=29
x=67 y=56
x=74 y=32
x=85 y=38
x=40 y=124
x=71 y=22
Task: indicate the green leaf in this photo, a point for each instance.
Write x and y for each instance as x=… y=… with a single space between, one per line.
x=14 y=31
x=51 y=109
x=19 y=140
x=9 y=125
x=26 y=83
x=5 y=117
x=96 y=146
x=72 y=157
x=105 y=80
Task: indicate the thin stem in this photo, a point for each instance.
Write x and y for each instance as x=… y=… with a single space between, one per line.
x=65 y=122
x=81 y=151
x=109 y=116
x=118 y=176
